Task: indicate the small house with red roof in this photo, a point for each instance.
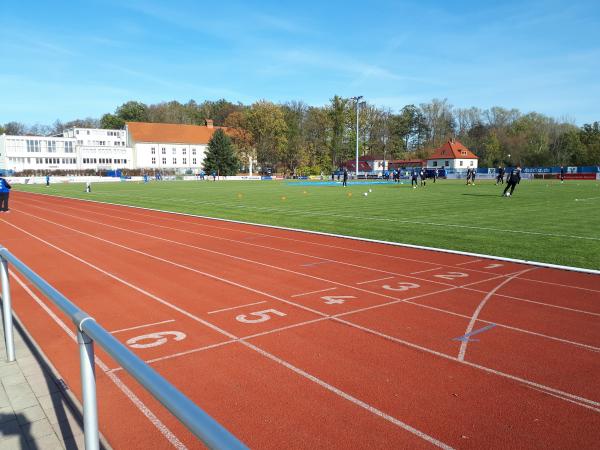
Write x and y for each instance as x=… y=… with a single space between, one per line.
x=452 y=155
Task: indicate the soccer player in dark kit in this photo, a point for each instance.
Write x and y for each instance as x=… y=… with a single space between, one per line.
x=413 y=181
x=512 y=181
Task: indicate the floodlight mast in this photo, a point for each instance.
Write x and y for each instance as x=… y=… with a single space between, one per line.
x=356 y=99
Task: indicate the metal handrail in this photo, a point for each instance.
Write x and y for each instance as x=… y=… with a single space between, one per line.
x=202 y=425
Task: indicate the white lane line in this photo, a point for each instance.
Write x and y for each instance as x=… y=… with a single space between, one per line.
x=104 y=205
x=549 y=305
x=373 y=281
x=237 y=241
x=235 y=307
x=312 y=256
x=469 y=262
x=468 y=363
x=349 y=397
x=427 y=270
x=286 y=364
x=464 y=343
x=496 y=276
x=313 y=292
x=182 y=311
x=142 y=326
x=162 y=428
x=566 y=399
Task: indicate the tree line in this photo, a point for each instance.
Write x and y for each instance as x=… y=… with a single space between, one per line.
x=295 y=138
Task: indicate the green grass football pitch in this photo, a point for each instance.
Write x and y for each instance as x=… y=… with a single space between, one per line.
x=543 y=221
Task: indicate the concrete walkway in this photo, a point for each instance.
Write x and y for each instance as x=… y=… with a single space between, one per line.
x=36 y=412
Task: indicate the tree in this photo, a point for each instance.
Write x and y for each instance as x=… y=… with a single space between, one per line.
x=133 y=112
x=111 y=122
x=267 y=124
x=15 y=128
x=220 y=156
x=241 y=137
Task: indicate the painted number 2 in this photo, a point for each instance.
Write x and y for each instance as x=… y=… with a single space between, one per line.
x=261 y=316
x=452 y=275
x=401 y=286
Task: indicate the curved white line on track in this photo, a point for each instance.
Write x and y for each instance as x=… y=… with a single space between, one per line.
x=465 y=342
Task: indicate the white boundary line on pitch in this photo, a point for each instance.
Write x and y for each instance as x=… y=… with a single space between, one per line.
x=321 y=233
x=162 y=428
x=142 y=326
x=313 y=292
x=236 y=307
x=214 y=327
x=270 y=356
x=304 y=307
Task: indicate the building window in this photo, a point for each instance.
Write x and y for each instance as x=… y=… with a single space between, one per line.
x=193 y=151
x=153 y=151
x=194 y=161
x=435 y=164
x=460 y=163
x=153 y=160
x=164 y=151
x=471 y=163
x=174 y=160
x=164 y=160
x=174 y=151
x=68 y=147
x=33 y=146
x=447 y=163
x=184 y=161
x=88 y=131
x=51 y=146
x=76 y=131
x=184 y=151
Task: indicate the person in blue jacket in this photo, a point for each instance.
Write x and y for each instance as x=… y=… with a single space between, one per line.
x=4 y=192
x=48 y=180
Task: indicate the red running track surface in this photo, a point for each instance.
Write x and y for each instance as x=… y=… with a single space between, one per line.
x=299 y=340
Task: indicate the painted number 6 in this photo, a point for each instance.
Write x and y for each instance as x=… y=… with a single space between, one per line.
x=401 y=286
x=261 y=316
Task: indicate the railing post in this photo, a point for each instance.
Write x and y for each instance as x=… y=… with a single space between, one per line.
x=88 y=390
x=7 y=311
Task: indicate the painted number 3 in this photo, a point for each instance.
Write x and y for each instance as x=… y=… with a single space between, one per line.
x=261 y=316
x=401 y=286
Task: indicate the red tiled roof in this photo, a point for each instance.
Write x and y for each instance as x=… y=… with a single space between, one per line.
x=453 y=150
x=170 y=133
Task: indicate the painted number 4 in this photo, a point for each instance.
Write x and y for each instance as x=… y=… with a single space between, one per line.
x=261 y=316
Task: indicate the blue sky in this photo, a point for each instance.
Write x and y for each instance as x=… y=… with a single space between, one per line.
x=74 y=59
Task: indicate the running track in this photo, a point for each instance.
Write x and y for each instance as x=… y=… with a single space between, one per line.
x=298 y=340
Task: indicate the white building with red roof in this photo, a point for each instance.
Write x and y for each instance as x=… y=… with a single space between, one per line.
x=452 y=155
x=169 y=146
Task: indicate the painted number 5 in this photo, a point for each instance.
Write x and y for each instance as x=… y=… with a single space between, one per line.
x=261 y=316
x=401 y=286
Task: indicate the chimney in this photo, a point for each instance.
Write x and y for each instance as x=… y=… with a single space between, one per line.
x=209 y=123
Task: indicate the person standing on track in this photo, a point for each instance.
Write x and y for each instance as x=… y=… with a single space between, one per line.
x=47 y=180
x=4 y=193
x=345 y=180
x=562 y=174
x=512 y=181
x=423 y=175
